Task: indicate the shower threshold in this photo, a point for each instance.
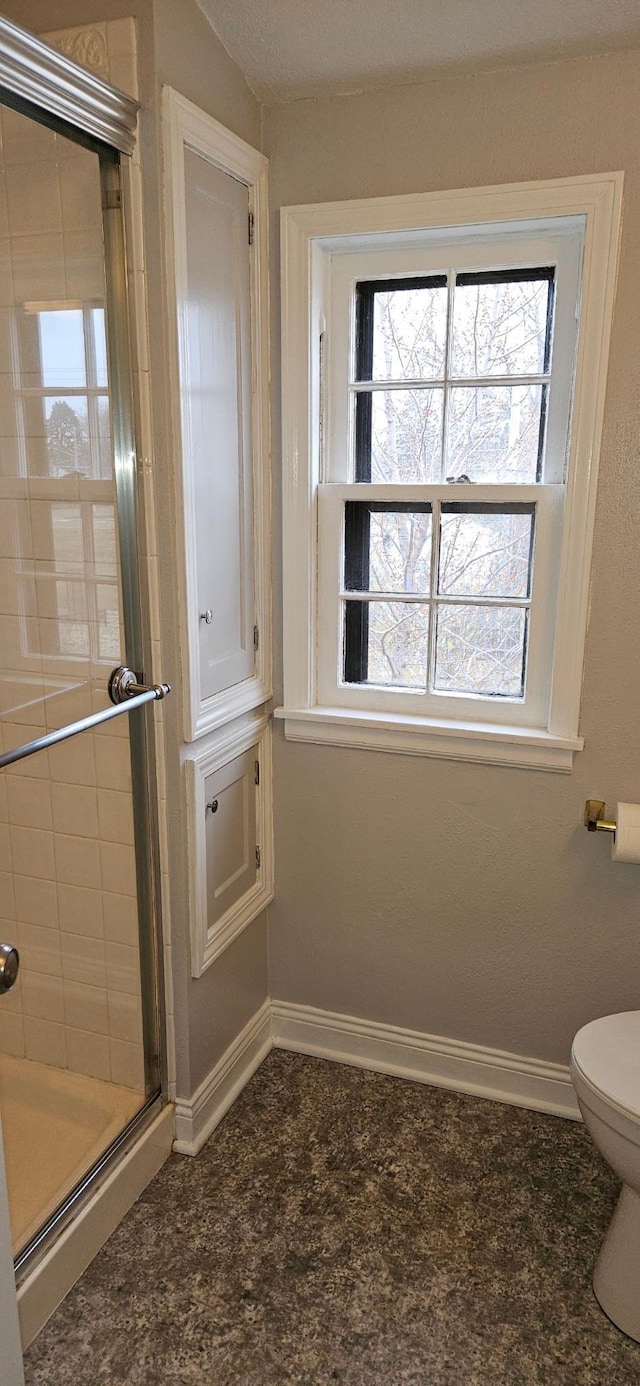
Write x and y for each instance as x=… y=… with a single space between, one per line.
x=55 y=1125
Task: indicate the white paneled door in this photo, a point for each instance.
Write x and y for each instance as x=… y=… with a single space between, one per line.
x=11 y=1372
x=218 y=341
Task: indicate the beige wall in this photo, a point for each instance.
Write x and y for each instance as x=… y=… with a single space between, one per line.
x=176 y=46
x=447 y=897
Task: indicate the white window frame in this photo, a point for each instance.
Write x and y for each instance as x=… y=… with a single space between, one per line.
x=187 y=127
x=311 y=236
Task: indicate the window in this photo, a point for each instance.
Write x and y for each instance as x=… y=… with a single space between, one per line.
x=443 y=395
x=62 y=426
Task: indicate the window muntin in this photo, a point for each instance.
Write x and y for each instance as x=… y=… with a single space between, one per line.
x=451 y=376
x=436 y=596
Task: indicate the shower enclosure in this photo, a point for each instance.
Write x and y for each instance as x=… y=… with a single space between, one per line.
x=81 y=1068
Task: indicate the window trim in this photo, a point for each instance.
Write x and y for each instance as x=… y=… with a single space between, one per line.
x=308 y=234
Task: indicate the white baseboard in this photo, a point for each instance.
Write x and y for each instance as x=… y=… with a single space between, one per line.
x=198 y=1116
x=45 y=1288
x=444 y=1063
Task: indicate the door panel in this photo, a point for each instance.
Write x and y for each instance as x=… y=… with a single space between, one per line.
x=231 y=834
x=218 y=405
x=75 y=1035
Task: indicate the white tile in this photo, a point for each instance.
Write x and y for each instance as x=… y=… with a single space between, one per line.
x=33 y=198
x=115 y=816
x=125 y=1017
x=11 y=1034
x=113 y=763
x=124 y=969
x=29 y=802
x=36 y=902
x=80 y=911
x=77 y=861
x=85 y=1007
x=73 y=762
x=68 y=707
x=4 y=803
x=120 y=919
x=45 y=1042
x=83 y=265
x=83 y=960
x=24 y=139
x=38 y=267
x=75 y=810
x=7 y=896
x=5 y=848
x=121 y=36
x=15 y=528
x=80 y=188
x=12 y=1000
x=123 y=73
x=40 y=949
x=118 y=868
x=42 y=996
x=88 y=1053
x=127 y=1064
x=32 y=852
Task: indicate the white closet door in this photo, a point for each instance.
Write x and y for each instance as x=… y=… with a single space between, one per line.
x=218 y=349
x=11 y=1373
x=231 y=834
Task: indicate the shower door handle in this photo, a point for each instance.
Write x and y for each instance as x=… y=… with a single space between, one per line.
x=125 y=692
x=9 y=966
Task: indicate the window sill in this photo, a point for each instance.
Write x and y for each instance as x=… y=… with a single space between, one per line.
x=526 y=747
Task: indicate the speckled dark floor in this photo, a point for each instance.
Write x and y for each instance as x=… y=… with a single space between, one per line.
x=341 y=1226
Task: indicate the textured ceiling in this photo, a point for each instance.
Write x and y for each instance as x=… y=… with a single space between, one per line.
x=293 y=48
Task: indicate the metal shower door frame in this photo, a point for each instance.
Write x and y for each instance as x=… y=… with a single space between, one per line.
x=53 y=90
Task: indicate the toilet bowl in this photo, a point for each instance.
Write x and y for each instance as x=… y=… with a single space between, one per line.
x=605 y=1071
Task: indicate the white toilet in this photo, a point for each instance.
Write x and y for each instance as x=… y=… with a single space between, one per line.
x=605 y=1071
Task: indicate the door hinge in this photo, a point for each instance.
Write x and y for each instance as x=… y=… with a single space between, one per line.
x=256 y=638
x=257 y=771
x=257 y=858
x=251 y=226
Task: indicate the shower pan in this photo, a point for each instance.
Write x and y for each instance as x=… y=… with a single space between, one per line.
x=81 y=1025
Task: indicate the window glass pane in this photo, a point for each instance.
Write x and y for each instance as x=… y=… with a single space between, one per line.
x=387 y=549
x=405 y=435
x=104 y=540
x=394 y=640
x=495 y=433
x=67 y=537
x=62 y=347
x=409 y=333
x=99 y=346
x=71 y=626
x=108 y=621
x=500 y=327
x=67 y=436
x=485 y=553
x=481 y=649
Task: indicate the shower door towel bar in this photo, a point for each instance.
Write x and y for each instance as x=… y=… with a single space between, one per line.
x=120 y=681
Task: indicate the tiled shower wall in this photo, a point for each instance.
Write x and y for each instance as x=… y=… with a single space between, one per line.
x=67 y=871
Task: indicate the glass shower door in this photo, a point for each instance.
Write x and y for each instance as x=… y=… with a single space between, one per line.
x=79 y=1032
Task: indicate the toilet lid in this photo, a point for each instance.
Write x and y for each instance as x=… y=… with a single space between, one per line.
x=607 y=1052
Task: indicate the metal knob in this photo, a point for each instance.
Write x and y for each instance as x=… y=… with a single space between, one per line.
x=207 y=616
x=9 y=966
